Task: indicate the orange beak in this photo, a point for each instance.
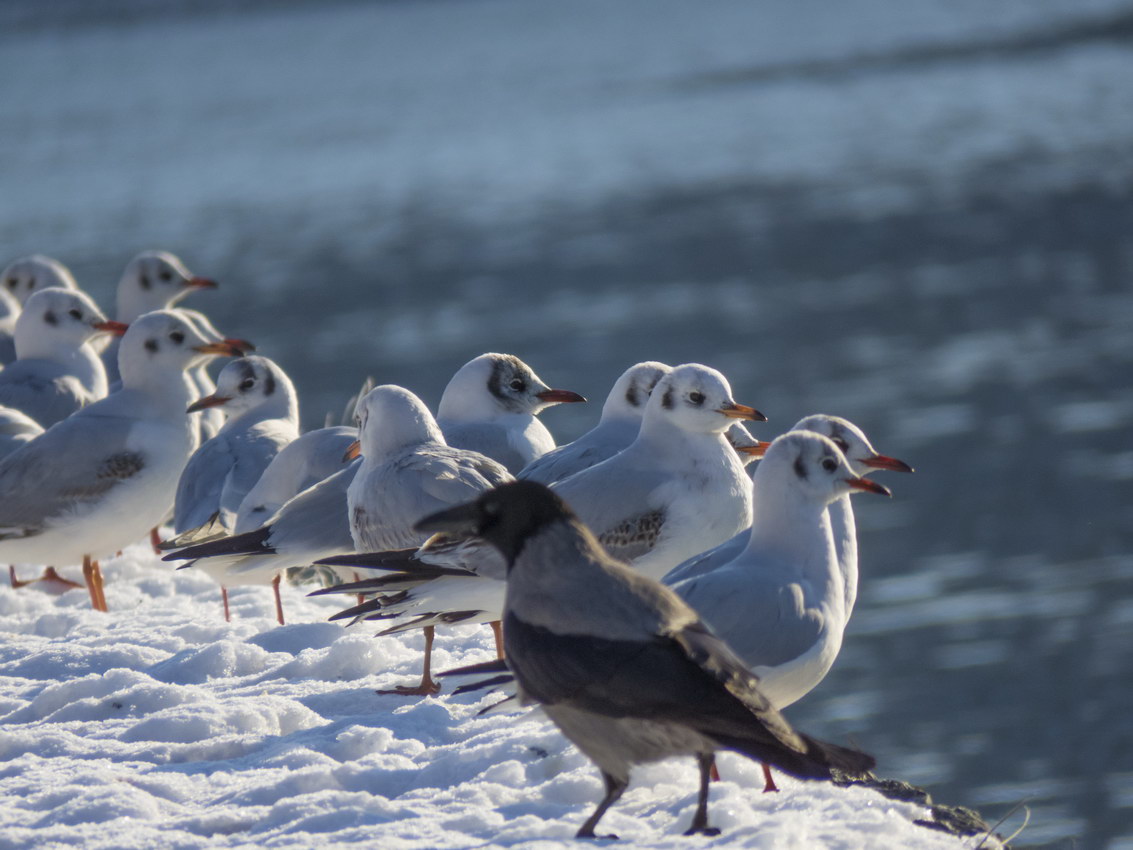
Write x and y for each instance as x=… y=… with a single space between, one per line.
x=200 y=283
x=890 y=463
x=208 y=401
x=225 y=348
x=755 y=451
x=111 y=327
x=742 y=411
x=868 y=486
x=352 y=451
x=559 y=396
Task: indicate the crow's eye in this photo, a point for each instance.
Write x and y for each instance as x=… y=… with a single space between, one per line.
x=177 y=337
x=829 y=464
x=75 y=314
x=696 y=398
x=247 y=384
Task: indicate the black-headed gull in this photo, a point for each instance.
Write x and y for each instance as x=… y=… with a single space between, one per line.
x=102 y=478
x=490 y=406
x=26 y=275
x=624 y=668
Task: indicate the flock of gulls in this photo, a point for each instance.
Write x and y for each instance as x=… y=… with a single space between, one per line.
x=664 y=585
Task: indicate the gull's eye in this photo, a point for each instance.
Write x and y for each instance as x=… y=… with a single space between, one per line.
x=12 y=283
x=165 y=275
x=829 y=464
x=143 y=281
x=247 y=384
x=518 y=385
x=696 y=398
x=77 y=315
x=177 y=337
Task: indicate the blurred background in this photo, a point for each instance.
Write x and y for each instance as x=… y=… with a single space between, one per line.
x=916 y=214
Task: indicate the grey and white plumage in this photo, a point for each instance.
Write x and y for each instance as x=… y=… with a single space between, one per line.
x=103 y=477
x=263 y=417
x=9 y=312
x=781 y=603
x=616 y=429
x=55 y=372
x=16 y=428
x=677 y=489
x=32 y=273
x=618 y=662
x=490 y=406
x=302 y=463
x=153 y=280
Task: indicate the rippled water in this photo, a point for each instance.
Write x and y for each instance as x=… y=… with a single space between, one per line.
x=917 y=216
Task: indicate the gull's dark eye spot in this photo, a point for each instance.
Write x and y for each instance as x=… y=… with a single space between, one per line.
x=177 y=337
x=12 y=282
x=518 y=385
x=829 y=464
x=696 y=398
x=50 y=318
x=144 y=282
x=247 y=384
x=165 y=275
x=77 y=315
x=151 y=345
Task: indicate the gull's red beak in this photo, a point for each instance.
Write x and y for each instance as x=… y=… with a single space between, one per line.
x=890 y=463
x=224 y=348
x=559 y=396
x=200 y=283
x=241 y=344
x=208 y=401
x=742 y=411
x=352 y=451
x=111 y=327
x=868 y=486
x=755 y=451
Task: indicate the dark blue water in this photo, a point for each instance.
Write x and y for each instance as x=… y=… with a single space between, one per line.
x=917 y=216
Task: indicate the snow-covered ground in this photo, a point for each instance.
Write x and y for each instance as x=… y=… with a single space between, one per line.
x=160 y=725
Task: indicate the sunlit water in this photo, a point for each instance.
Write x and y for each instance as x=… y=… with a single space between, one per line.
x=917 y=216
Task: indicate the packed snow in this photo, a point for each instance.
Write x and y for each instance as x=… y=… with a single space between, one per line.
x=160 y=725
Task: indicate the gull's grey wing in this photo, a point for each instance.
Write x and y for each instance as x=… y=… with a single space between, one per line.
x=565 y=461
x=761 y=614
x=252 y=452
x=42 y=390
x=202 y=481
x=710 y=560
x=487 y=439
x=67 y=468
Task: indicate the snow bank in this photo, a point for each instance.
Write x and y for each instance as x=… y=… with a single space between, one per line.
x=160 y=725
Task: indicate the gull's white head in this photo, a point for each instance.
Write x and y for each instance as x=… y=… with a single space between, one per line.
x=26 y=275
x=696 y=399
x=848 y=437
x=494 y=385
x=810 y=465
x=162 y=344
x=57 y=319
x=155 y=280
x=251 y=383
x=631 y=391
x=391 y=417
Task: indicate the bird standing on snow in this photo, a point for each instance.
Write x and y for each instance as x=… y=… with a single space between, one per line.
x=618 y=662
x=153 y=280
x=103 y=477
x=56 y=372
x=490 y=406
x=616 y=429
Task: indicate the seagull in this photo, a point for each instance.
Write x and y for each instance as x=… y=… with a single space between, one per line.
x=28 y=274
x=490 y=406
x=863 y=459
x=678 y=489
x=408 y=470
x=211 y=419
x=9 y=312
x=153 y=280
x=100 y=479
x=616 y=429
x=625 y=669
x=56 y=372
